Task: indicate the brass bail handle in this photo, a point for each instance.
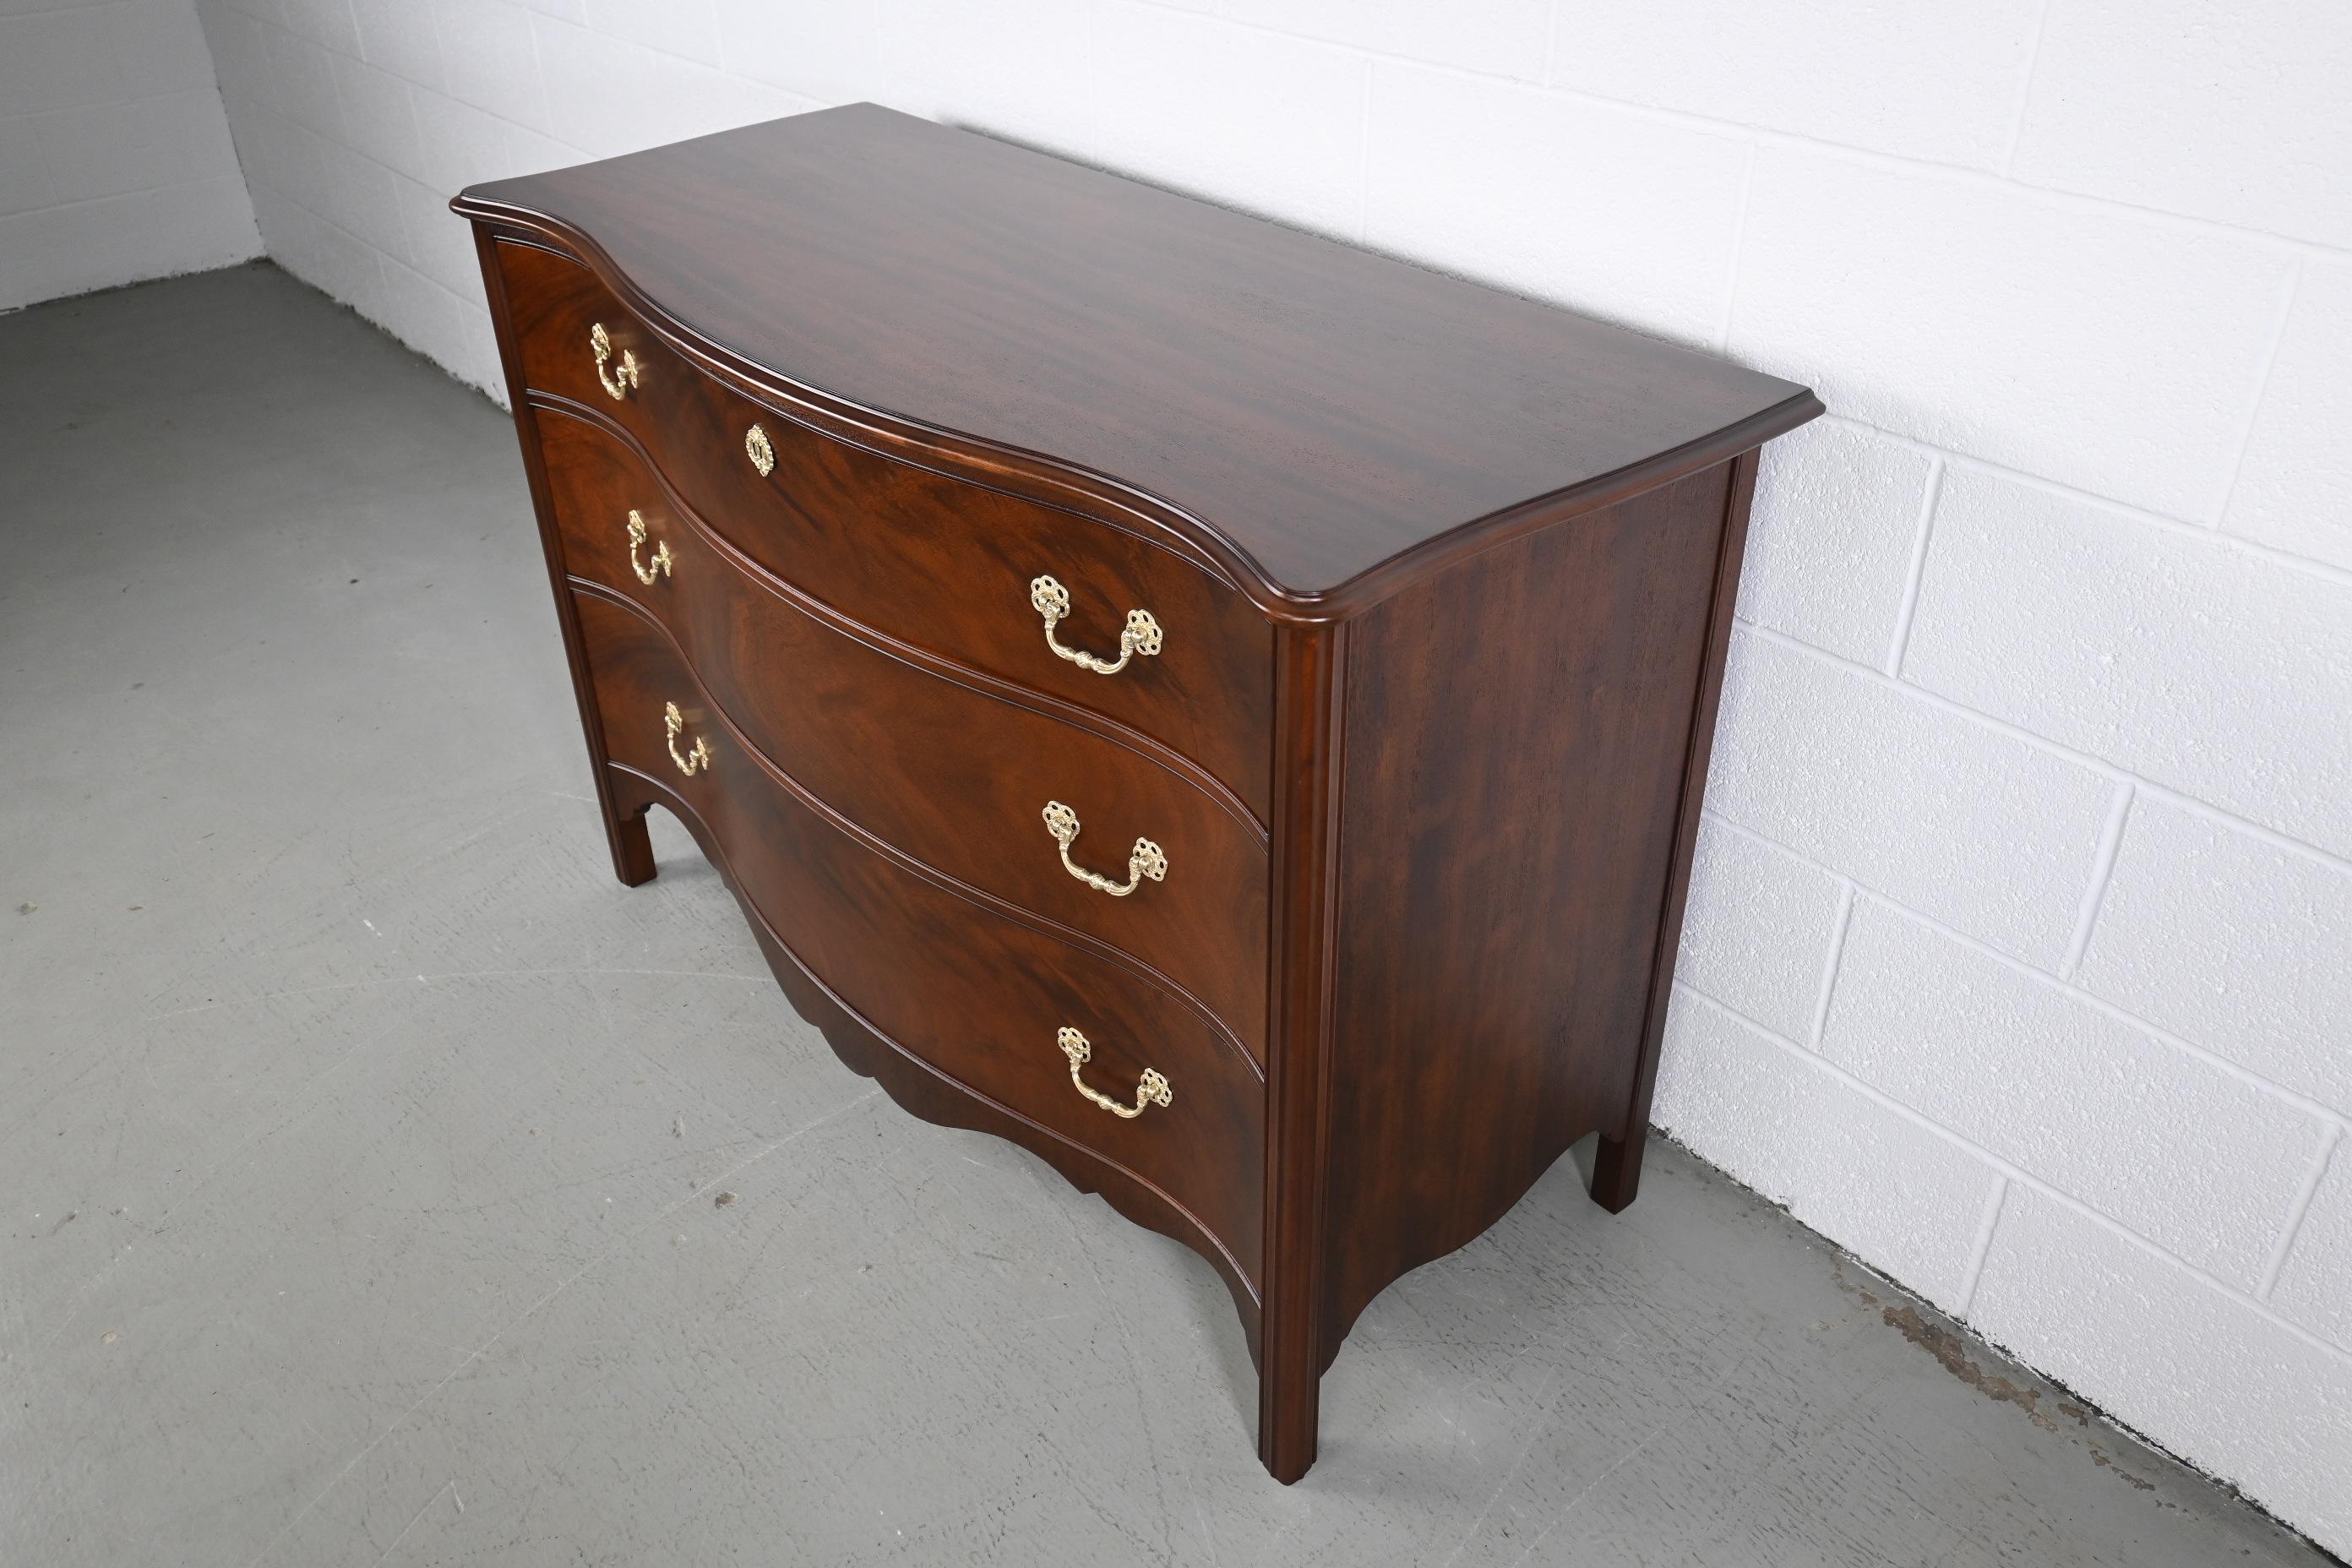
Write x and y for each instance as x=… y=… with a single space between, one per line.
x=660 y=565
x=1150 y=1090
x=620 y=379
x=689 y=762
x=1146 y=859
x=1142 y=635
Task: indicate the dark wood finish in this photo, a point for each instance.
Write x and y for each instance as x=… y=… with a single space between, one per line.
x=625 y=830
x=1308 y=411
x=1309 y=681
x=942 y=563
x=976 y=995
x=1447 y=578
x=1527 y=834
x=1617 y=1163
x=913 y=758
x=916 y=1086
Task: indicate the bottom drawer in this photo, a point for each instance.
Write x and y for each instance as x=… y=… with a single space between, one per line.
x=983 y=999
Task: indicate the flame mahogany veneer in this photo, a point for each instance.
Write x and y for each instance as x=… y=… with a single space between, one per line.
x=1444 y=579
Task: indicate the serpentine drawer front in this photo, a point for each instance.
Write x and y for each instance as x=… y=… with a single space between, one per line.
x=960 y=778
x=1220 y=710
x=975 y=994
x=939 y=562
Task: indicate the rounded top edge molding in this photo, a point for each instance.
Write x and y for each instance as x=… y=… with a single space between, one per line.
x=966 y=455
x=1317 y=426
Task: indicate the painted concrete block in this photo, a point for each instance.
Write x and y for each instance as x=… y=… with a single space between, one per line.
x=609 y=96
x=1500 y=37
x=489 y=60
x=440 y=243
x=159 y=47
x=462 y=145
x=2226 y=111
x=397 y=37
x=114 y=148
x=687 y=28
x=1921 y=81
x=2164 y=1352
x=326 y=23
x=1586 y=204
x=1864 y=1175
x=24 y=184
x=1201 y=103
x=301 y=80
x=1758 y=929
x=2314 y=1286
x=378 y=119
x=833 y=54
x=1980 y=830
x=2194 y=1158
x=2008 y=325
x=1831 y=538
x=2217 y=673
x=2294 y=488
x=1022 y=68
x=58 y=59
x=2232 y=943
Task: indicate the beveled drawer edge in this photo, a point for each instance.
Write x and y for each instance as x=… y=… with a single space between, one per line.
x=930 y=662
x=1044 y=925
x=710 y=841
x=910 y=442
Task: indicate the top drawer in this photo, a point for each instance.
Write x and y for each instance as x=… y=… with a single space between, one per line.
x=935 y=562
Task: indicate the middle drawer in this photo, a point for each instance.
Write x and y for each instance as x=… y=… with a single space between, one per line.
x=960 y=778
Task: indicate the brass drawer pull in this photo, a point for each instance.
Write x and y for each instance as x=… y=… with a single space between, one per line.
x=696 y=761
x=659 y=566
x=756 y=447
x=1152 y=1090
x=1147 y=859
x=1142 y=635
x=619 y=379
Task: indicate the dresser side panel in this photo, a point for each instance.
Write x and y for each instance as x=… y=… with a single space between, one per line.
x=1517 y=732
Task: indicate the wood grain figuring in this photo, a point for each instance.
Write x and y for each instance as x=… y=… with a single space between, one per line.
x=956 y=783
x=1447 y=580
x=1617 y=1164
x=978 y=997
x=934 y=561
x=1514 y=782
x=1310 y=681
x=1323 y=410
x=625 y=830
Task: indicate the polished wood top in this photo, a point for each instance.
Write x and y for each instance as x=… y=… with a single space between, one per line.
x=1331 y=417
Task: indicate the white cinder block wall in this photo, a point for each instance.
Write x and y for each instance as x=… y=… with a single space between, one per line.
x=115 y=162
x=2018 y=955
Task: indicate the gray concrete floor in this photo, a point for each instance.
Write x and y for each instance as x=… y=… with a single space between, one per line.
x=361 y=1137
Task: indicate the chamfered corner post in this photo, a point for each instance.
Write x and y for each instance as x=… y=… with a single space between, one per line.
x=1309 y=697
x=1617 y=1163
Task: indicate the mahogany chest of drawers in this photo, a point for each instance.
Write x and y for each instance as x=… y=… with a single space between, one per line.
x=1222 y=709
